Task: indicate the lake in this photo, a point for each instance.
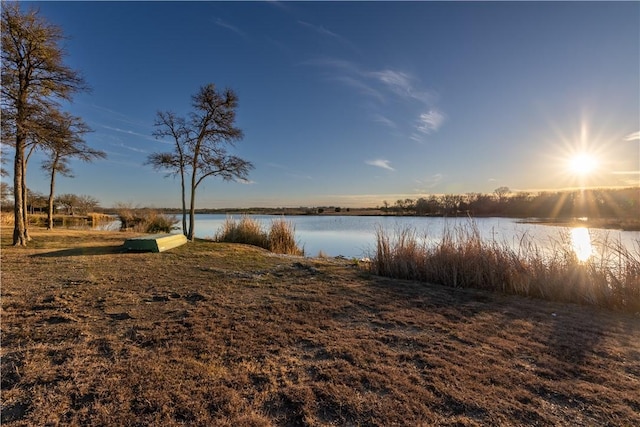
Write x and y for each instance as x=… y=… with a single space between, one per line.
x=354 y=236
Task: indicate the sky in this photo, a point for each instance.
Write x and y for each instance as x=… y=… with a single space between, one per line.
x=355 y=103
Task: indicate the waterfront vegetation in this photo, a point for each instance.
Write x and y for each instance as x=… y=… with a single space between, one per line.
x=225 y=334
x=461 y=258
x=145 y=220
x=280 y=238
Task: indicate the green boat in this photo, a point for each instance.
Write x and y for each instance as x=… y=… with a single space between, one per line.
x=154 y=242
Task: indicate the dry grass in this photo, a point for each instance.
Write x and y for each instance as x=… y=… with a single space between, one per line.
x=463 y=259
x=221 y=334
x=145 y=220
x=279 y=239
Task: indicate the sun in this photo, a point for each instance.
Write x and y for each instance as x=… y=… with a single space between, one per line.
x=583 y=164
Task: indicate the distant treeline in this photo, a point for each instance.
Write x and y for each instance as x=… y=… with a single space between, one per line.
x=591 y=203
x=620 y=204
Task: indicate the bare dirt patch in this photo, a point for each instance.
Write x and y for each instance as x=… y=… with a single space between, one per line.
x=219 y=334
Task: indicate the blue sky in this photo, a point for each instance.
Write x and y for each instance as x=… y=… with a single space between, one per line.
x=350 y=104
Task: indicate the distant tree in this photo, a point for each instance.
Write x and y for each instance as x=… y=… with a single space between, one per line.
x=5 y=194
x=69 y=202
x=34 y=79
x=200 y=146
x=64 y=142
x=86 y=204
x=36 y=201
x=502 y=193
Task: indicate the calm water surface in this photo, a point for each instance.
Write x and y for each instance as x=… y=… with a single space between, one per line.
x=354 y=236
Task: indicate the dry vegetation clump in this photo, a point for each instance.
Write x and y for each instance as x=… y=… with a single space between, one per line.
x=231 y=335
x=280 y=238
x=463 y=259
x=145 y=220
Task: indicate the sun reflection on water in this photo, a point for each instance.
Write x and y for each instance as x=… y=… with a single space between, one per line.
x=581 y=243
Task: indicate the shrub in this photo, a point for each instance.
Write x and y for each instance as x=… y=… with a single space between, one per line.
x=279 y=239
x=462 y=259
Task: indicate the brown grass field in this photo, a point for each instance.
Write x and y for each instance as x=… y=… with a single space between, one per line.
x=231 y=335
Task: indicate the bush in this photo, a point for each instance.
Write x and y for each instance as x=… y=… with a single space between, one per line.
x=462 y=259
x=279 y=239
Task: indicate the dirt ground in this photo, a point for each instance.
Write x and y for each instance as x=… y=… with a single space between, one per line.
x=230 y=335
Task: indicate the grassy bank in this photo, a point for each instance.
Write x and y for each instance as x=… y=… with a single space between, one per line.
x=232 y=335
x=463 y=259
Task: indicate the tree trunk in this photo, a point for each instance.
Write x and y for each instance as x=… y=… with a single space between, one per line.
x=19 y=227
x=25 y=199
x=184 y=203
x=192 y=210
x=52 y=185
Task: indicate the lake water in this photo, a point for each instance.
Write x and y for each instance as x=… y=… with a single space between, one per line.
x=354 y=236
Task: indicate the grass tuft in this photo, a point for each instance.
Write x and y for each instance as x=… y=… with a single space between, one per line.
x=146 y=220
x=279 y=239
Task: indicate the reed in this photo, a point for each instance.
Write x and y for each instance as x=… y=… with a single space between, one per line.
x=279 y=239
x=146 y=220
x=247 y=231
x=461 y=258
x=282 y=238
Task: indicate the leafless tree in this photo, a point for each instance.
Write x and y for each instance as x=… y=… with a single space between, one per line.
x=201 y=146
x=64 y=141
x=34 y=80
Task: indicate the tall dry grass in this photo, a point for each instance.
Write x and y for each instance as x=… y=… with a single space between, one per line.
x=461 y=258
x=145 y=220
x=280 y=238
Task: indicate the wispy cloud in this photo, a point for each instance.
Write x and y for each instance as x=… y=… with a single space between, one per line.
x=319 y=29
x=383 y=86
x=360 y=86
x=380 y=163
x=290 y=172
x=633 y=136
x=430 y=121
x=384 y=120
x=245 y=181
x=403 y=85
x=128 y=147
x=136 y=134
x=219 y=22
x=429 y=182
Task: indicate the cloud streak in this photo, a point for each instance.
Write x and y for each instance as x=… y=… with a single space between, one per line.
x=635 y=136
x=219 y=22
x=430 y=121
x=327 y=33
x=403 y=85
x=380 y=163
x=136 y=134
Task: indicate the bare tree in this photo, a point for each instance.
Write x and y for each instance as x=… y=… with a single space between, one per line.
x=64 y=142
x=201 y=144
x=34 y=80
x=502 y=193
x=86 y=203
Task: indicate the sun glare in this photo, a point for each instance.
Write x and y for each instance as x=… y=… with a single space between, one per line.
x=583 y=164
x=581 y=243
